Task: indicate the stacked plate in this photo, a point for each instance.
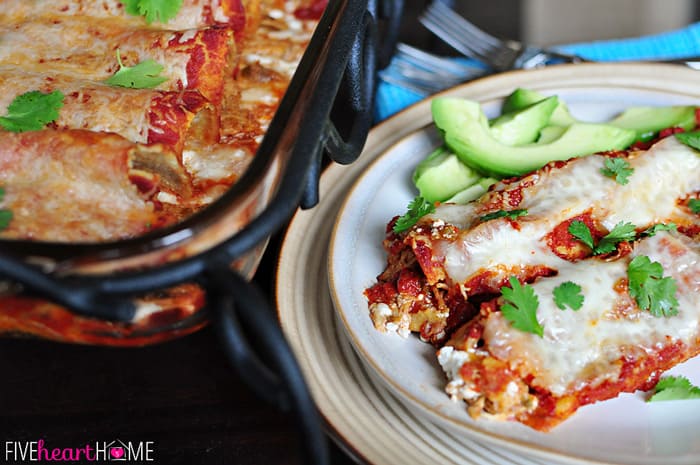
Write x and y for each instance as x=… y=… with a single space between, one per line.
x=382 y=394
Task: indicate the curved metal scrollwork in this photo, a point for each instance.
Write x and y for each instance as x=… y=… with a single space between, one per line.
x=247 y=327
x=352 y=114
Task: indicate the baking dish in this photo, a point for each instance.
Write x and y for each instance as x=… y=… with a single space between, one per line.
x=82 y=282
x=92 y=292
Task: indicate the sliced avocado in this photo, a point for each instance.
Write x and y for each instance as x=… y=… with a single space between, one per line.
x=467 y=133
x=441 y=175
x=521 y=98
x=472 y=192
x=648 y=121
x=523 y=126
x=549 y=133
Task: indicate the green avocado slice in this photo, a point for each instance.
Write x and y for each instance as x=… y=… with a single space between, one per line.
x=441 y=175
x=467 y=133
x=648 y=121
x=521 y=98
x=550 y=133
x=472 y=192
x=523 y=126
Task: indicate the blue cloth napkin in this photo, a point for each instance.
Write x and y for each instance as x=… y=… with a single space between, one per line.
x=684 y=42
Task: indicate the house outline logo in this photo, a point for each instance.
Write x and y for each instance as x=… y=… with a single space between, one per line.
x=117 y=451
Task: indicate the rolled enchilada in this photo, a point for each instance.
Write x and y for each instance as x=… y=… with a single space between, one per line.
x=192 y=59
x=445 y=280
x=237 y=15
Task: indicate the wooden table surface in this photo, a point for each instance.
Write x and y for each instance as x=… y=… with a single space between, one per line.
x=182 y=395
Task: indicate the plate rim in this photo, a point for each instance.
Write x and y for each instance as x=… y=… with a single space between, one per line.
x=646 y=77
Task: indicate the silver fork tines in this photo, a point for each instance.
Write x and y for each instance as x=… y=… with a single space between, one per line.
x=426 y=73
x=466 y=38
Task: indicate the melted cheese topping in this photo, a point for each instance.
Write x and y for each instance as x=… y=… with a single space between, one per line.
x=71 y=184
x=90 y=53
x=206 y=113
x=581 y=347
x=668 y=171
x=192 y=13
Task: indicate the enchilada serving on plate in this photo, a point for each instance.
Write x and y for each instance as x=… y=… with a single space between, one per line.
x=446 y=279
x=613 y=346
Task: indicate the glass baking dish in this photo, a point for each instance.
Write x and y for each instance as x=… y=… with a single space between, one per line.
x=104 y=293
x=96 y=293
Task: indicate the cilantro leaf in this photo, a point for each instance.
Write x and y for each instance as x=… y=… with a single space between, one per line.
x=417 y=208
x=651 y=231
x=131 y=7
x=621 y=232
x=674 y=388
x=691 y=139
x=568 y=294
x=512 y=214
x=694 y=205
x=141 y=76
x=5 y=215
x=521 y=307
x=153 y=10
x=580 y=231
x=618 y=169
x=650 y=289
x=5 y=218
x=32 y=111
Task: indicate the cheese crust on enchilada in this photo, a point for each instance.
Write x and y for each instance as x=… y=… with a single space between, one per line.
x=449 y=278
x=218 y=69
x=157 y=118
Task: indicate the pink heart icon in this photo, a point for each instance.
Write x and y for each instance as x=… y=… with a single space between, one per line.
x=116 y=452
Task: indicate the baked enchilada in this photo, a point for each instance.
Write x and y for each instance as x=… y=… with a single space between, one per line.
x=555 y=289
x=122 y=117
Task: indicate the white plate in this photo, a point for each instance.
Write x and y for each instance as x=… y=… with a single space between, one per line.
x=364 y=416
x=625 y=430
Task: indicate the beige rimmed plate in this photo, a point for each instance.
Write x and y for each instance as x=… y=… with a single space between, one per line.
x=384 y=398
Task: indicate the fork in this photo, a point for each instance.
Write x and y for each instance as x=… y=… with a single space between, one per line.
x=499 y=54
x=426 y=73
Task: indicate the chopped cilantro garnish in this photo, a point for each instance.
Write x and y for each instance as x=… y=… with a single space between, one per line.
x=650 y=289
x=5 y=215
x=674 y=388
x=521 y=307
x=141 y=76
x=512 y=214
x=621 y=232
x=568 y=294
x=651 y=231
x=5 y=218
x=32 y=111
x=417 y=208
x=580 y=231
x=153 y=10
x=618 y=169
x=691 y=139
x=694 y=205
